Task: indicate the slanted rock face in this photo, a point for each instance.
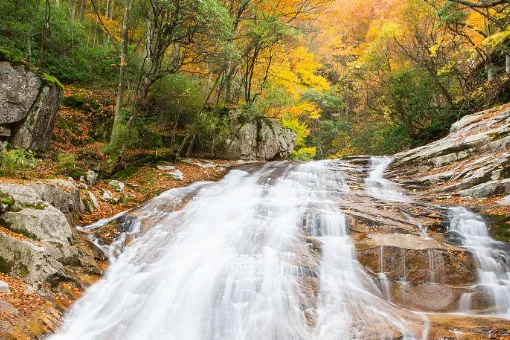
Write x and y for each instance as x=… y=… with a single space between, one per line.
x=28 y=107
x=472 y=161
x=260 y=140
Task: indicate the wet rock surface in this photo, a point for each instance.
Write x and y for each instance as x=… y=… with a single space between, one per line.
x=404 y=245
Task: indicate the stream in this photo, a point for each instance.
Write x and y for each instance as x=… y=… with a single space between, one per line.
x=265 y=253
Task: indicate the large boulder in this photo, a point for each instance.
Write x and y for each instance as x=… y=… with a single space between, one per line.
x=28 y=107
x=61 y=194
x=262 y=140
x=37 y=241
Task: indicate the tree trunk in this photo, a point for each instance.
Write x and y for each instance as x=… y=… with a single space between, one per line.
x=507 y=63
x=83 y=8
x=107 y=9
x=120 y=158
x=116 y=136
x=490 y=71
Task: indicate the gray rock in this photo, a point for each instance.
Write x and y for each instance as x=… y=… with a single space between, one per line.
x=81 y=185
x=28 y=105
x=487 y=189
x=58 y=193
x=4 y=287
x=47 y=243
x=92 y=177
x=19 y=89
x=473 y=160
x=93 y=199
x=504 y=201
x=28 y=261
x=65 y=198
x=68 y=184
x=166 y=168
x=117 y=185
x=266 y=140
x=48 y=225
x=107 y=196
x=176 y=174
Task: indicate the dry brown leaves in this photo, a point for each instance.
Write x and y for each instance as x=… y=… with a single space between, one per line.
x=20 y=296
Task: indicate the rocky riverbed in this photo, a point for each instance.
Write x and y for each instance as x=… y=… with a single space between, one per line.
x=45 y=262
x=396 y=212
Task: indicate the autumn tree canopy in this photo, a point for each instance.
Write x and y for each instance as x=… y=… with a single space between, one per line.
x=349 y=76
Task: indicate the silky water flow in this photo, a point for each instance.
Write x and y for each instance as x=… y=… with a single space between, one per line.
x=261 y=255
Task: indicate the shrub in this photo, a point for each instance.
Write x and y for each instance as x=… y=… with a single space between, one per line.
x=67 y=165
x=16 y=161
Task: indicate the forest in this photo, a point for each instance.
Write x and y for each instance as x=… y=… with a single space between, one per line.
x=348 y=76
x=254 y=169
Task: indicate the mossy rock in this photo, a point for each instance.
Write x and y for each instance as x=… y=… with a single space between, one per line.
x=73 y=101
x=7 y=200
x=6 y=55
x=51 y=81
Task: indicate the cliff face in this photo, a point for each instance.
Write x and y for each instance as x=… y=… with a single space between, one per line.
x=28 y=106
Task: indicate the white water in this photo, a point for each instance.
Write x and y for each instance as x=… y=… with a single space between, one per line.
x=238 y=263
x=378 y=186
x=492 y=260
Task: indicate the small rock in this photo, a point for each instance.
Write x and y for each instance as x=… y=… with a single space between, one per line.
x=107 y=196
x=83 y=186
x=93 y=199
x=4 y=287
x=166 y=168
x=82 y=179
x=176 y=174
x=117 y=185
x=91 y=177
x=132 y=185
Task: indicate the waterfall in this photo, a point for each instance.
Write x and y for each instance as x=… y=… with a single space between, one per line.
x=259 y=255
x=378 y=186
x=493 y=260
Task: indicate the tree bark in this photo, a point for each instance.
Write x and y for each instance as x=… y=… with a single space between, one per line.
x=116 y=136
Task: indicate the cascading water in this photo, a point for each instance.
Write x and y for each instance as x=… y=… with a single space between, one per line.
x=262 y=255
x=493 y=260
x=378 y=186
x=491 y=256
